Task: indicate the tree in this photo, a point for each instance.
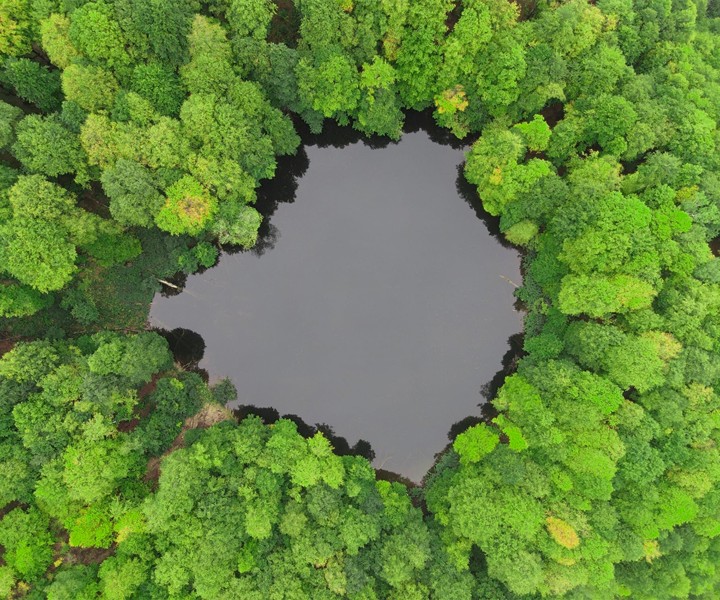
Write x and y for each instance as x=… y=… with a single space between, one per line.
x=33 y=82
x=45 y=146
x=475 y=443
x=135 y=358
x=306 y=527
x=599 y=296
x=493 y=164
x=630 y=361
x=27 y=542
x=37 y=253
x=210 y=68
x=158 y=28
x=93 y=469
x=596 y=475
x=236 y=224
x=187 y=209
x=250 y=18
x=55 y=34
x=535 y=133
x=92 y=88
x=160 y=85
x=92 y=529
x=9 y=115
x=330 y=87
x=121 y=578
x=77 y=582
x=38 y=244
x=419 y=57
x=379 y=110
x=134 y=195
x=21 y=301
x=97 y=35
x=16 y=28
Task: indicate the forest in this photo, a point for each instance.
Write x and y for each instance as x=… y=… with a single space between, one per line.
x=133 y=137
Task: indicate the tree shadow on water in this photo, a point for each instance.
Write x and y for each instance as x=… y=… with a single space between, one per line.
x=173 y=286
x=270 y=415
x=334 y=135
x=281 y=189
x=424 y=121
x=468 y=192
x=187 y=347
x=338 y=136
x=490 y=389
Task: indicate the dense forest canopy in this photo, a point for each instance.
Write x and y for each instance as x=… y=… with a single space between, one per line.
x=133 y=137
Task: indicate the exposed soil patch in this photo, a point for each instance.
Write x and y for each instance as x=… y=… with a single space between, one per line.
x=89 y=556
x=72 y=555
x=453 y=16
x=207 y=416
x=527 y=8
x=94 y=200
x=285 y=24
x=553 y=113
x=7 y=95
x=144 y=408
x=714 y=247
x=6 y=346
x=150 y=387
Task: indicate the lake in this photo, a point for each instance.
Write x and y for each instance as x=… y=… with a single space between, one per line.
x=378 y=300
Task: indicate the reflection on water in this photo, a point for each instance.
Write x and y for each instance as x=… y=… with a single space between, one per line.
x=376 y=302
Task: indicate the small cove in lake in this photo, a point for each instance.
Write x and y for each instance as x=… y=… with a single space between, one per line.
x=377 y=301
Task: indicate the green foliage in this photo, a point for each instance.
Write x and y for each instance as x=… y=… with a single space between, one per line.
x=97 y=35
x=379 y=111
x=47 y=147
x=419 y=55
x=77 y=582
x=521 y=233
x=55 y=35
x=91 y=88
x=21 y=301
x=160 y=85
x=187 y=208
x=8 y=116
x=599 y=296
x=306 y=519
x=237 y=224
x=15 y=28
x=475 y=443
x=120 y=578
x=536 y=133
x=38 y=244
x=29 y=362
x=27 y=542
x=35 y=252
x=595 y=129
x=331 y=88
x=494 y=165
x=135 y=358
x=92 y=528
x=7 y=581
x=33 y=82
x=134 y=197
x=112 y=249
x=175 y=399
x=210 y=68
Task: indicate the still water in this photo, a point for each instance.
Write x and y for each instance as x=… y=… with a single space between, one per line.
x=378 y=301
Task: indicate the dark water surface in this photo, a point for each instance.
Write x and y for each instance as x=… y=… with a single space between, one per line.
x=378 y=301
